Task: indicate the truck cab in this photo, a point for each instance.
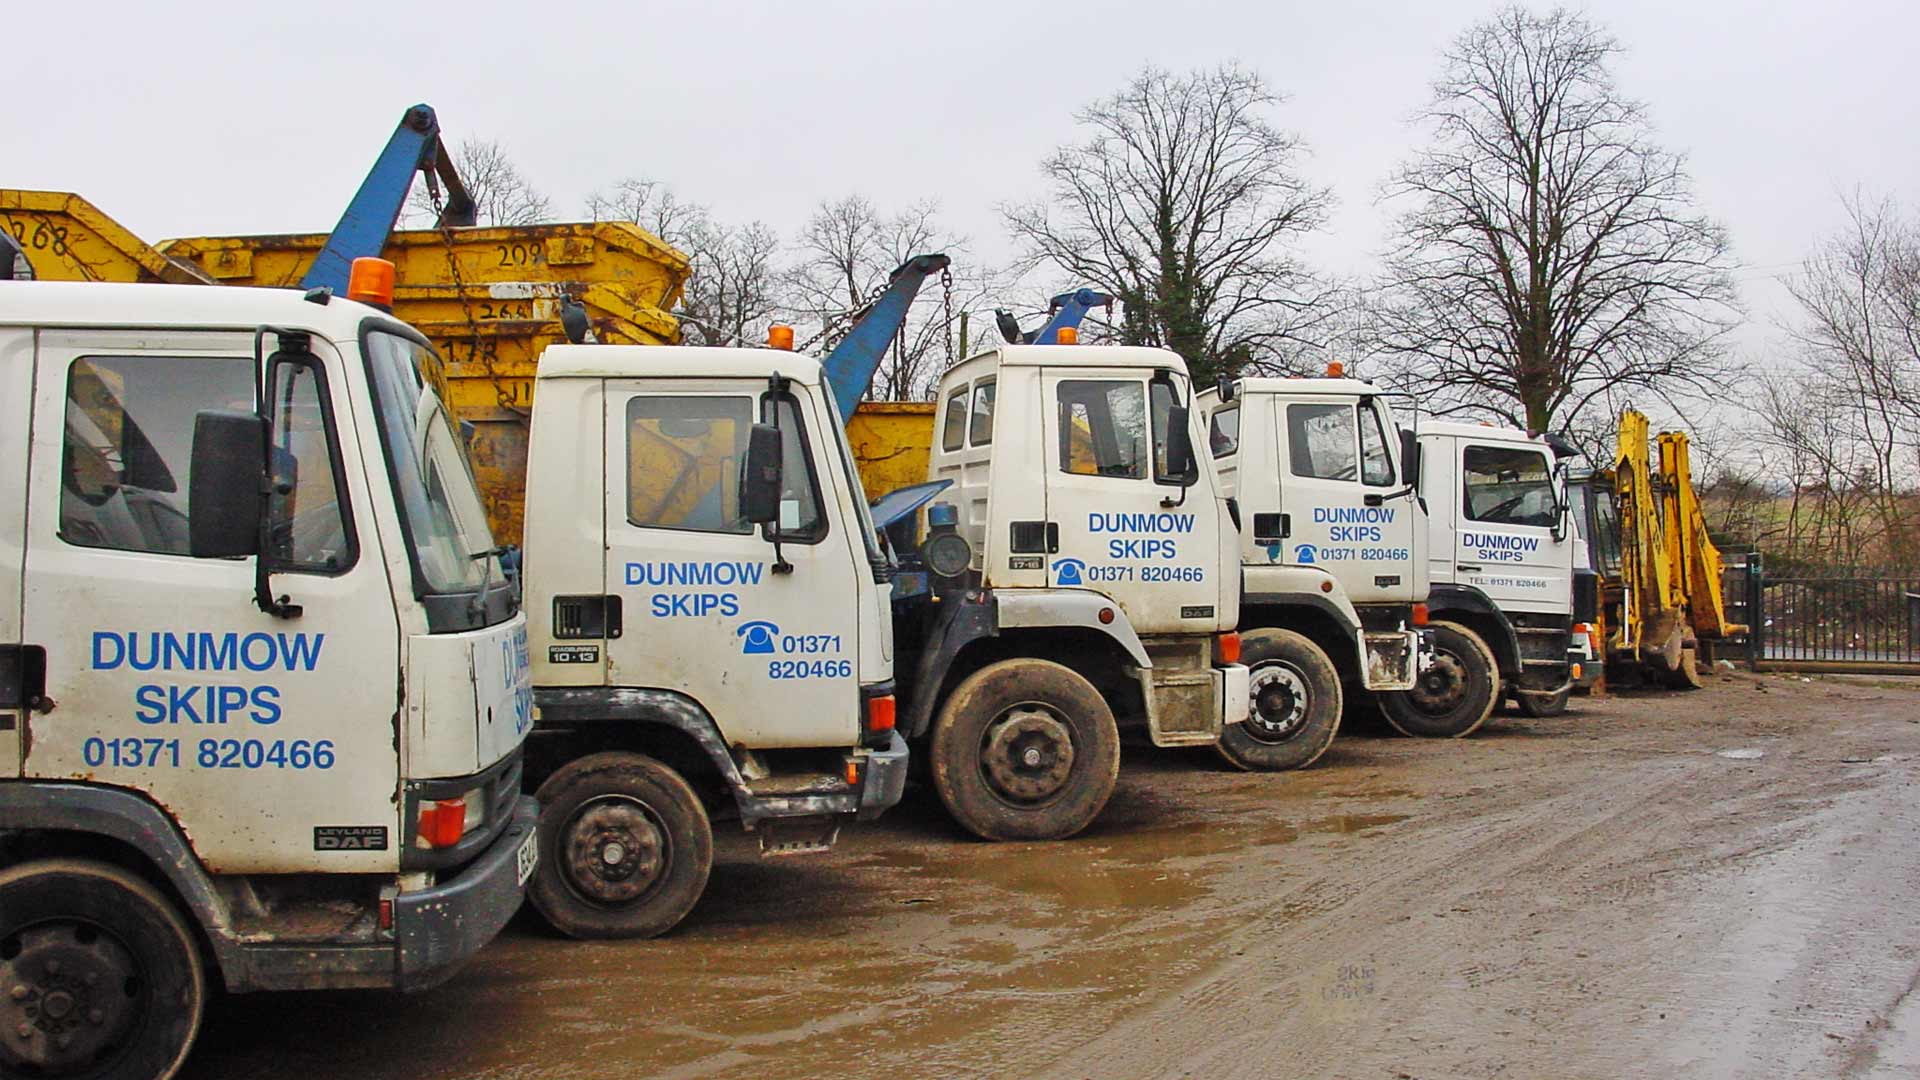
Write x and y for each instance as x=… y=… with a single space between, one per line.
x=1099 y=588
x=1505 y=554
x=711 y=625
x=1332 y=549
x=263 y=685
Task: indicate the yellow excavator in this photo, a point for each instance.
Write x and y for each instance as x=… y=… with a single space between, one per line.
x=1646 y=536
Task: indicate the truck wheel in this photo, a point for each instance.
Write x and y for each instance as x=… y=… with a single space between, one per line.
x=1456 y=693
x=1025 y=750
x=1295 y=711
x=103 y=977
x=1539 y=704
x=625 y=848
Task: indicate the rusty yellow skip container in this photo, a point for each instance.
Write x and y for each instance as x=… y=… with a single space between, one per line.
x=66 y=238
x=891 y=442
x=489 y=300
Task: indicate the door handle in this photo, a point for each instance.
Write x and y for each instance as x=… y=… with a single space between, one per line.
x=1053 y=538
x=1472 y=567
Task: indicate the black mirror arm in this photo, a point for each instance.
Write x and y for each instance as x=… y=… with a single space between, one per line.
x=298 y=343
x=776 y=386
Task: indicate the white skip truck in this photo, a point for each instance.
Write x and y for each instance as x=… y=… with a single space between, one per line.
x=263 y=685
x=709 y=603
x=1332 y=553
x=1508 y=562
x=1102 y=587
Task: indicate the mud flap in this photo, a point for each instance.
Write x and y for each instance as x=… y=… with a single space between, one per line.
x=1394 y=658
x=1235 y=683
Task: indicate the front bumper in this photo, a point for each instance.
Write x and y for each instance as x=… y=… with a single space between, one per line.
x=436 y=930
x=884 y=779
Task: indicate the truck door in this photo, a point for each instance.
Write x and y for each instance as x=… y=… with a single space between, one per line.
x=17 y=665
x=1505 y=544
x=772 y=656
x=1337 y=471
x=255 y=732
x=1123 y=525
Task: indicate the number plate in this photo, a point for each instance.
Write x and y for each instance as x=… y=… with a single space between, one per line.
x=529 y=855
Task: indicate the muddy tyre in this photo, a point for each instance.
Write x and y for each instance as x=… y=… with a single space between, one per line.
x=1540 y=704
x=625 y=848
x=1295 y=711
x=1025 y=750
x=1456 y=693
x=97 y=957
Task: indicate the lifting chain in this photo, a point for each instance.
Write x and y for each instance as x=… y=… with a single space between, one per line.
x=836 y=326
x=946 y=308
x=483 y=350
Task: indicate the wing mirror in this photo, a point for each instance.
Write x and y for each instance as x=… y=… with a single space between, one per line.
x=225 y=498
x=760 y=476
x=1179 y=446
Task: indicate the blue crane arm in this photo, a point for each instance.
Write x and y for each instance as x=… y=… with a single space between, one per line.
x=851 y=364
x=1068 y=310
x=370 y=217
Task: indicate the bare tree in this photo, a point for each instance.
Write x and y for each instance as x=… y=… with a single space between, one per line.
x=1845 y=422
x=734 y=291
x=1551 y=255
x=502 y=194
x=1182 y=203
x=847 y=252
x=651 y=205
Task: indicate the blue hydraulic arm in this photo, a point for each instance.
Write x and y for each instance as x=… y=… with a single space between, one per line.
x=370 y=217
x=851 y=364
x=1068 y=310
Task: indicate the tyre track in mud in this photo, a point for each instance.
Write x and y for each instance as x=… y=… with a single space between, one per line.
x=1526 y=903
x=1610 y=930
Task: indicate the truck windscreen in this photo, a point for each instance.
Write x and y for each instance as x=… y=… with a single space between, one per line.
x=446 y=524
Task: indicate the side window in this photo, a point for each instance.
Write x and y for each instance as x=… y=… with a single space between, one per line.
x=684 y=456
x=1320 y=440
x=1605 y=536
x=1103 y=428
x=953 y=432
x=980 y=428
x=1508 y=486
x=800 y=518
x=1223 y=431
x=128 y=445
x=1376 y=465
x=310 y=526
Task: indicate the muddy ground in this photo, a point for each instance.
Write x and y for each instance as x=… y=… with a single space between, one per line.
x=1720 y=884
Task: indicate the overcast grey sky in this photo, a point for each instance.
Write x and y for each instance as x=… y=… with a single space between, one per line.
x=202 y=119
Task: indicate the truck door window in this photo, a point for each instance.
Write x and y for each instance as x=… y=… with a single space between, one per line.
x=1103 y=428
x=953 y=432
x=1160 y=399
x=800 y=519
x=1376 y=466
x=128 y=445
x=684 y=456
x=1508 y=486
x=980 y=427
x=1320 y=440
x=308 y=525
x=1223 y=431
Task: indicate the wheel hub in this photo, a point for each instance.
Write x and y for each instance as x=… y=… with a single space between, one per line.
x=1028 y=754
x=1279 y=699
x=614 y=850
x=69 y=994
x=1441 y=686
